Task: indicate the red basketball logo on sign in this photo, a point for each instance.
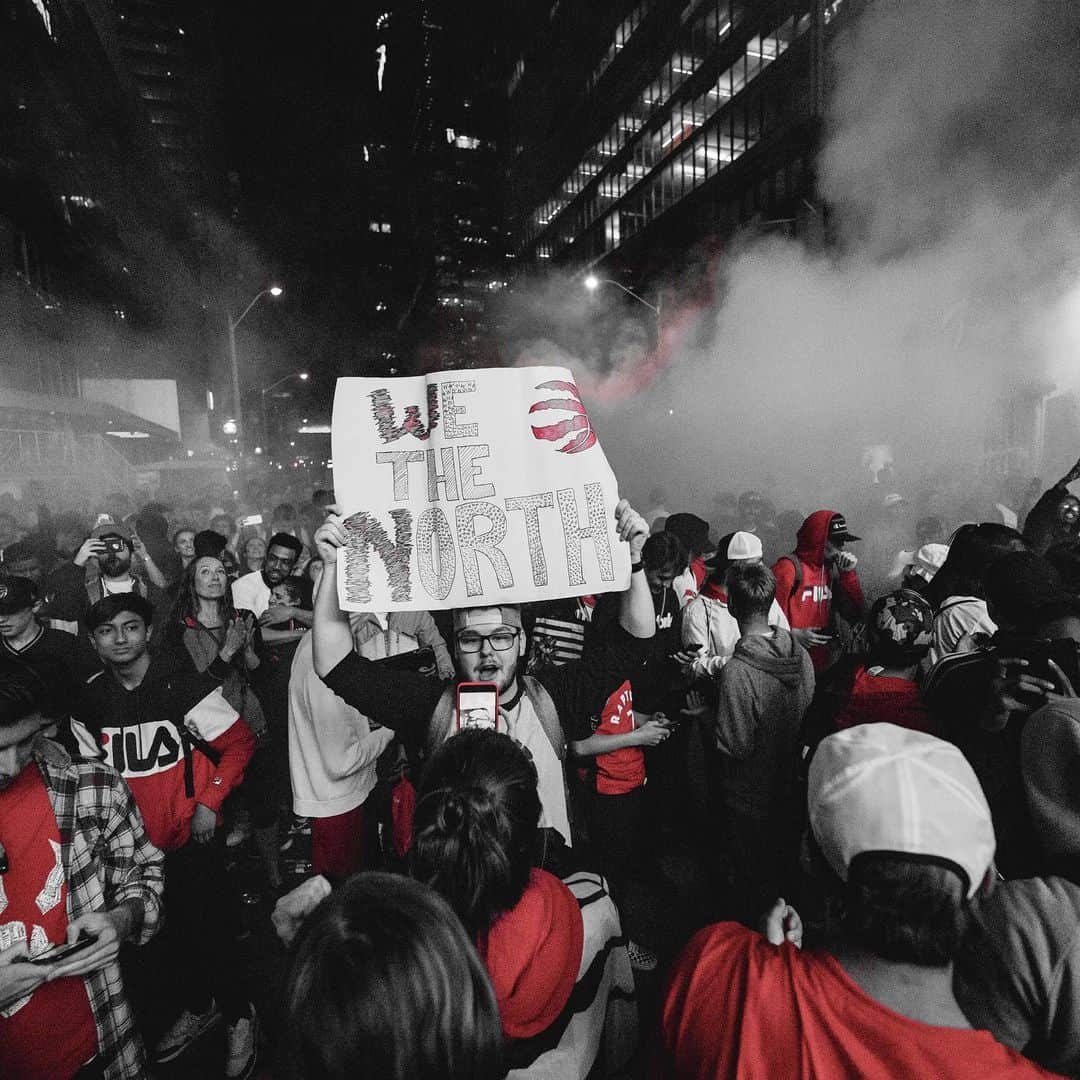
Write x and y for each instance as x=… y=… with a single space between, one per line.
x=577 y=426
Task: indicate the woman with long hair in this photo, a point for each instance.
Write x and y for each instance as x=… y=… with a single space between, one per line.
x=476 y=842
x=384 y=982
x=193 y=635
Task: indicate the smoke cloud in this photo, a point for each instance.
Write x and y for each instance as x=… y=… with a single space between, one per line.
x=949 y=170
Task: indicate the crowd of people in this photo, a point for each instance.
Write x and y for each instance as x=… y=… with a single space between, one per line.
x=860 y=731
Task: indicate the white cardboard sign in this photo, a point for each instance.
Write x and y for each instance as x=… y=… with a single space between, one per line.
x=469 y=488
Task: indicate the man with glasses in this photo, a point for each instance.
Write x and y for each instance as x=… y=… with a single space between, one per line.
x=542 y=713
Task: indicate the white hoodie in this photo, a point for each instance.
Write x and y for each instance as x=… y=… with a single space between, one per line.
x=332 y=749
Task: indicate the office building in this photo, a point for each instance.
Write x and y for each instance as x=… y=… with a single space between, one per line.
x=640 y=132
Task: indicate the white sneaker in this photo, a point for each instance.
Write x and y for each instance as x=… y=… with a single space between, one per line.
x=242 y=1046
x=188 y=1028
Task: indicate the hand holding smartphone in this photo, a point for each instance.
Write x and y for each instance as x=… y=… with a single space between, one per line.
x=62 y=952
x=477 y=706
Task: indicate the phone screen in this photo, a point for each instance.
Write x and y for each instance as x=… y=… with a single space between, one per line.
x=252 y=519
x=478 y=706
x=62 y=952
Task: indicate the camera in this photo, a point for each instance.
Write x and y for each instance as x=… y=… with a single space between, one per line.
x=114 y=545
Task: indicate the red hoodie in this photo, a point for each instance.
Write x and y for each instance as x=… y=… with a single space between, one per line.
x=811 y=605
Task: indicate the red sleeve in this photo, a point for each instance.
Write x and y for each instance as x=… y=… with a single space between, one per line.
x=784 y=572
x=852 y=588
x=235 y=745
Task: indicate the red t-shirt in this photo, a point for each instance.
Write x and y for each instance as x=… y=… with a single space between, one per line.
x=623 y=770
x=52 y=1032
x=884 y=699
x=737 y=1007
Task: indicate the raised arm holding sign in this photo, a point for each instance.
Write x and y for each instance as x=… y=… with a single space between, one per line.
x=543 y=712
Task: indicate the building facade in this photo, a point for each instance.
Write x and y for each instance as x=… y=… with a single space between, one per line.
x=103 y=274
x=699 y=118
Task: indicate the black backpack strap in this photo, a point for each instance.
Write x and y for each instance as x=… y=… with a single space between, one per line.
x=796 y=585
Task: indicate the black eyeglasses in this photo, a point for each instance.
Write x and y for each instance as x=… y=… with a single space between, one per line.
x=471 y=642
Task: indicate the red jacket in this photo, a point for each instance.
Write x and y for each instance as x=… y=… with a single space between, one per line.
x=142 y=733
x=811 y=604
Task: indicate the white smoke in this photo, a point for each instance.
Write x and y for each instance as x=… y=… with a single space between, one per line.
x=949 y=169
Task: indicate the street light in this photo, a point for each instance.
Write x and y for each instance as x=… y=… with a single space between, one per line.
x=303 y=376
x=592 y=283
x=275 y=291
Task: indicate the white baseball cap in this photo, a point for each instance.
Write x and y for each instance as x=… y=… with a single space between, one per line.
x=886 y=789
x=744 y=545
x=929 y=559
x=486 y=618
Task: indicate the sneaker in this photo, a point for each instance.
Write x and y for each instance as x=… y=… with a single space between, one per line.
x=242 y=1046
x=640 y=958
x=187 y=1029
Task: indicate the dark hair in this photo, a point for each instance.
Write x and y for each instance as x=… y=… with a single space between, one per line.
x=295 y=589
x=284 y=512
x=285 y=540
x=383 y=982
x=1019 y=586
x=751 y=589
x=905 y=910
x=21 y=695
x=322 y=497
x=664 y=552
x=108 y=607
x=208 y=542
x=1065 y=559
x=691 y=530
x=187 y=601
x=971 y=551
x=476 y=825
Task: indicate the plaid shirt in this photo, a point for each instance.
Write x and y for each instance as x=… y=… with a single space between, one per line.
x=107 y=861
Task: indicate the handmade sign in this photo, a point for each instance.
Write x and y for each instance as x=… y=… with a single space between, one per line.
x=463 y=489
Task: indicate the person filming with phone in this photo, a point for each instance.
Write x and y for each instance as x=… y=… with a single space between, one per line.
x=106 y=565
x=542 y=713
x=78 y=878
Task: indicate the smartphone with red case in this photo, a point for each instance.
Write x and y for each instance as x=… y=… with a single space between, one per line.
x=477 y=706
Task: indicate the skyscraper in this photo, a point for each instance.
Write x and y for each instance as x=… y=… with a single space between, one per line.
x=639 y=131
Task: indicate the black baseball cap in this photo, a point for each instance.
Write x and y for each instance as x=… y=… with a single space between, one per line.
x=838 y=530
x=17 y=594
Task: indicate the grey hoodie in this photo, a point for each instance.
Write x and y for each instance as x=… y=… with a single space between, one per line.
x=764 y=691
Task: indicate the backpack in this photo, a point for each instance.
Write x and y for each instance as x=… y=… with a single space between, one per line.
x=847 y=626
